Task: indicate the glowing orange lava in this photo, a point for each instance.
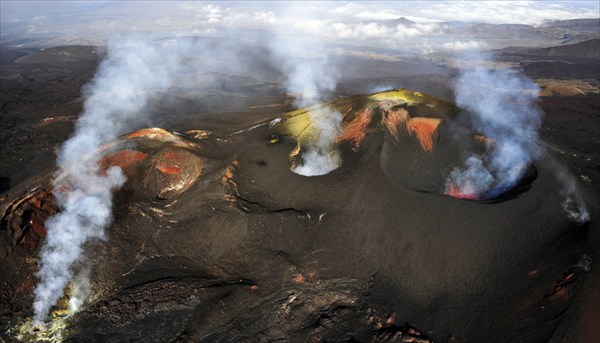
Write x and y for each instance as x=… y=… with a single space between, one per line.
x=455 y=192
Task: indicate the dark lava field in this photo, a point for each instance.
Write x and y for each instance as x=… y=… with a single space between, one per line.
x=214 y=239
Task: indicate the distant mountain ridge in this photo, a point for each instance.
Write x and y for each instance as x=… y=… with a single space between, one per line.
x=503 y=35
x=589 y=49
x=587 y=25
x=399 y=21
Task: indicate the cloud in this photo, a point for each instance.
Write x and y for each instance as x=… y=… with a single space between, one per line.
x=363 y=11
x=498 y=12
x=415 y=30
x=493 y=12
x=373 y=33
x=220 y=16
x=352 y=22
x=464 y=45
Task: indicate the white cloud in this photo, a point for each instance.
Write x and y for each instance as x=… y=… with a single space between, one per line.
x=495 y=12
x=361 y=32
x=266 y=17
x=311 y=26
x=404 y=32
x=463 y=45
x=351 y=22
x=377 y=15
x=365 y=11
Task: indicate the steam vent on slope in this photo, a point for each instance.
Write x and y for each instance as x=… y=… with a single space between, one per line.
x=333 y=222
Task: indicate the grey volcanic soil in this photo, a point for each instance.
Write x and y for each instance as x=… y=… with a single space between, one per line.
x=383 y=263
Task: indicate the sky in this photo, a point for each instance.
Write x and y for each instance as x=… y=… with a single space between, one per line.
x=371 y=23
x=39 y=17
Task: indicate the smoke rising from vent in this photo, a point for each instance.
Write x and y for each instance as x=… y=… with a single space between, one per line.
x=573 y=203
x=85 y=211
x=503 y=107
x=133 y=72
x=312 y=76
x=80 y=289
x=310 y=70
x=321 y=156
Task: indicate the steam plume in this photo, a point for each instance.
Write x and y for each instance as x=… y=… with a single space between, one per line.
x=86 y=211
x=573 y=203
x=134 y=70
x=80 y=290
x=503 y=108
x=322 y=157
x=311 y=77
